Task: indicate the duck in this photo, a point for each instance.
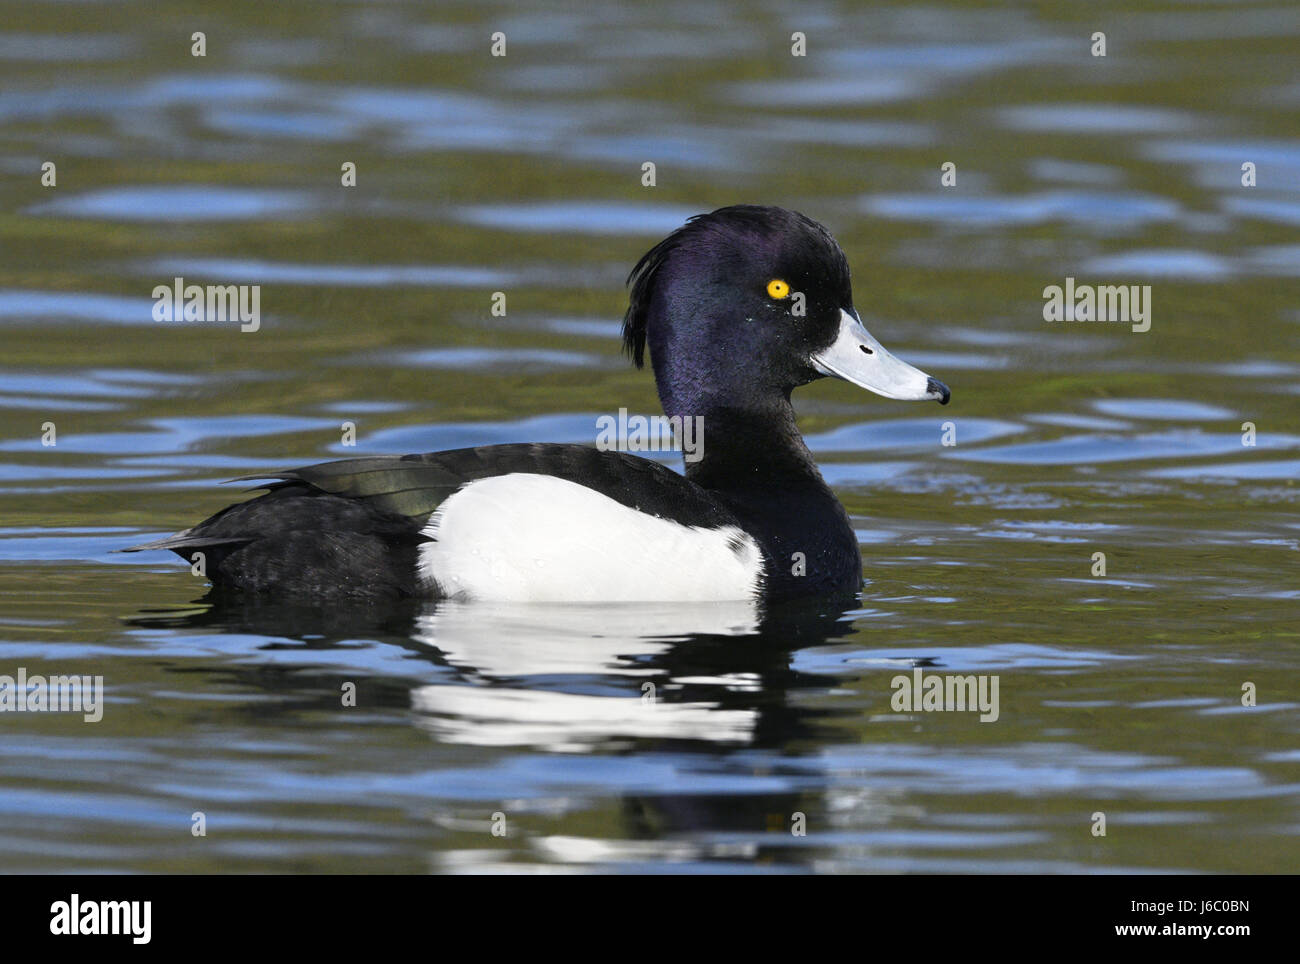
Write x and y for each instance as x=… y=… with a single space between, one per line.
x=735 y=309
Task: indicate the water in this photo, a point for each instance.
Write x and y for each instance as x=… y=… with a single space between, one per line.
x=1119 y=694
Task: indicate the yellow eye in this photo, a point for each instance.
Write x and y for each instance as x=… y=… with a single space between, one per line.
x=778 y=289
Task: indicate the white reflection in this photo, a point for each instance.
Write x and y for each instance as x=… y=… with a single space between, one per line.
x=536 y=639
x=568 y=722
x=548 y=641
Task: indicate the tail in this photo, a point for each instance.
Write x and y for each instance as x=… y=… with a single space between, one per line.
x=186 y=539
x=202 y=535
x=300 y=541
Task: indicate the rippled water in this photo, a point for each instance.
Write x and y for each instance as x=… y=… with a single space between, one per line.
x=1119 y=694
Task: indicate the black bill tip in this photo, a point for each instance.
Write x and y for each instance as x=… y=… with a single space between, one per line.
x=936 y=387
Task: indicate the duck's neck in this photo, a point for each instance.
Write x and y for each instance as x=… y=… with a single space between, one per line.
x=753 y=458
x=739 y=448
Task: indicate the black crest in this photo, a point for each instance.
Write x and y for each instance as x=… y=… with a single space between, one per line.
x=642 y=280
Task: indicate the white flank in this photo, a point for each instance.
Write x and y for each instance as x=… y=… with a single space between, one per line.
x=536 y=538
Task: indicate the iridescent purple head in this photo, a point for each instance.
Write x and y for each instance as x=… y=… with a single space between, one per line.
x=741 y=306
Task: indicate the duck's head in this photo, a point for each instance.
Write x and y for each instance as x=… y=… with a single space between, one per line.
x=741 y=306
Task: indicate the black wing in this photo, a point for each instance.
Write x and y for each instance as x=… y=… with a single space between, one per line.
x=355 y=525
x=413 y=486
